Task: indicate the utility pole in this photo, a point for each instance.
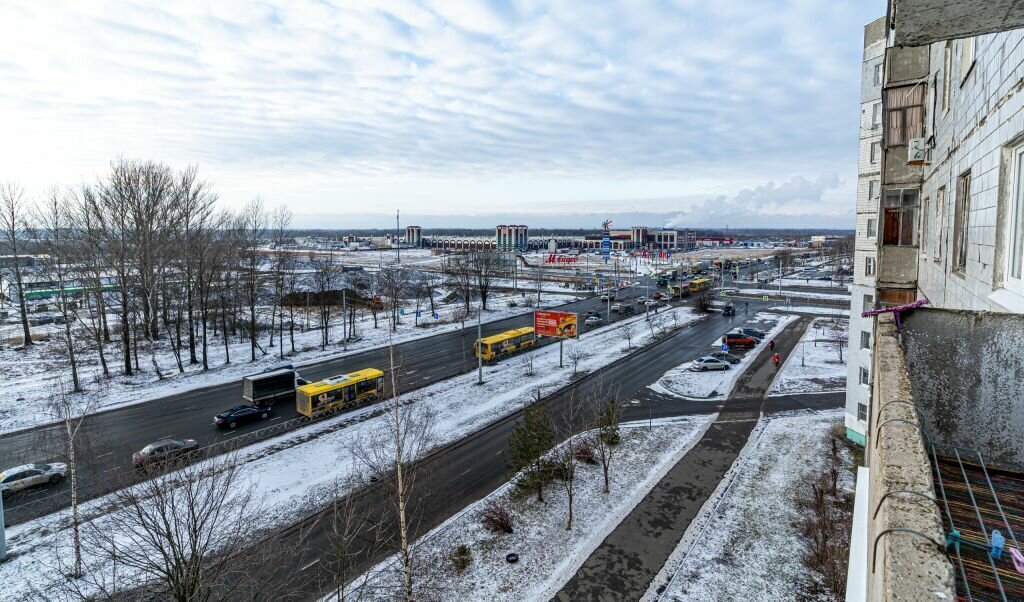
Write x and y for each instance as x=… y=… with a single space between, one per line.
x=3 y=532
x=398 y=240
x=344 y=320
x=479 y=346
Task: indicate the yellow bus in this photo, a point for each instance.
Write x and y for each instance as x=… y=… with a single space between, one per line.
x=336 y=392
x=700 y=284
x=498 y=346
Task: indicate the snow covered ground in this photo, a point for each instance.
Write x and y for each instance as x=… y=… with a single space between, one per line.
x=795 y=294
x=24 y=369
x=295 y=471
x=549 y=555
x=811 y=309
x=716 y=384
x=814 y=366
x=745 y=541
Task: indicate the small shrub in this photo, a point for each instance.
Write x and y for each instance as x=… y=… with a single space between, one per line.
x=496 y=517
x=583 y=450
x=461 y=557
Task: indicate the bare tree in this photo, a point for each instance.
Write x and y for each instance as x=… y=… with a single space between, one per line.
x=71 y=413
x=196 y=201
x=565 y=455
x=325 y=278
x=13 y=215
x=280 y=220
x=393 y=283
x=607 y=412
x=91 y=273
x=838 y=336
x=459 y=277
x=54 y=228
x=252 y=229
x=391 y=453
x=486 y=267
x=526 y=361
x=353 y=533
x=628 y=331
x=577 y=353
x=186 y=534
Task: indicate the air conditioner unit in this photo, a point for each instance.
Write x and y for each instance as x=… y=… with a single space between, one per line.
x=917 y=152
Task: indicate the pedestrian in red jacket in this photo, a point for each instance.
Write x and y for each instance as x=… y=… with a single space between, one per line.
x=775 y=358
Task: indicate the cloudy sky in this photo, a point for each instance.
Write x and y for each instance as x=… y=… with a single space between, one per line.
x=741 y=112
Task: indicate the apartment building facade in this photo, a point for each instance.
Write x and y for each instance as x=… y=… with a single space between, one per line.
x=862 y=290
x=945 y=362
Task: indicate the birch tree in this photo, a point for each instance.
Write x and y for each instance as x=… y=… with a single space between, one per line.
x=13 y=214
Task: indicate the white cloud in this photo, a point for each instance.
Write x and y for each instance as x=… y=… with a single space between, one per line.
x=342 y=107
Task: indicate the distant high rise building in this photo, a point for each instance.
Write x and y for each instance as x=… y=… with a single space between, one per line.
x=414 y=236
x=512 y=238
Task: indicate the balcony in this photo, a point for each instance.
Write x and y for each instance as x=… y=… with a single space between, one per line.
x=945 y=465
x=921 y=22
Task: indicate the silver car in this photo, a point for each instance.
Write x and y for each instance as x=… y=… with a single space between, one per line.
x=30 y=475
x=702 y=364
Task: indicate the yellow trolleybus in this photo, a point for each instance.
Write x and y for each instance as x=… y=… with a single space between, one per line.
x=339 y=391
x=498 y=346
x=700 y=284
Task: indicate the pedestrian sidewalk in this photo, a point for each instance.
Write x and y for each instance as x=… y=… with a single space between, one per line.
x=622 y=567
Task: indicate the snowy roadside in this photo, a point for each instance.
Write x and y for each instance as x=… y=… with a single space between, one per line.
x=811 y=309
x=296 y=471
x=745 y=540
x=814 y=366
x=22 y=371
x=774 y=292
x=714 y=385
x=549 y=555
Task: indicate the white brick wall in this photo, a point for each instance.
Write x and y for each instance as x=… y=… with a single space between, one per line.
x=986 y=113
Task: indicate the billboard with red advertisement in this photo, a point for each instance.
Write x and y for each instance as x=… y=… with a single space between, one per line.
x=555 y=324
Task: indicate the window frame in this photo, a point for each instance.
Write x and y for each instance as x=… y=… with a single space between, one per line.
x=865 y=377
x=865 y=339
x=875 y=152
x=904 y=101
x=862 y=412
x=872 y=228
x=940 y=223
x=869 y=266
x=968 y=46
x=947 y=75
x=907 y=213
x=876 y=115
x=961 y=223
x=1013 y=278
x=874 y=189
x=877 y=75
x=869 y=302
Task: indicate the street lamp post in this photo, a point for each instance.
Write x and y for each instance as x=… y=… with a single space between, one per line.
x=479 y=356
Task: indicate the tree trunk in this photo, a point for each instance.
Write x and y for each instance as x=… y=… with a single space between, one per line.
x=126 y=337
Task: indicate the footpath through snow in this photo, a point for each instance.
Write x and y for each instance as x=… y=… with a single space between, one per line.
x=814 y=366
x=298 y=471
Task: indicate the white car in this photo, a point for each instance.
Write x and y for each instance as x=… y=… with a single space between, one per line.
x=702 y=364
x=604 y=297
x=651 y=303
x=30 y=475
x=593 y=321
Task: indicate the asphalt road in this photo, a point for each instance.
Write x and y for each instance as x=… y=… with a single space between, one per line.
x=109 y=438
x=462 y=473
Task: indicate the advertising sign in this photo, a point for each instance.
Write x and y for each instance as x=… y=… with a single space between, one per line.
x=606 y=240
x=555 y=324
x=555 y=258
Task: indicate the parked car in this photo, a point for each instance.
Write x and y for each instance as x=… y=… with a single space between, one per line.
x=240 y=415
x=651 y=303
x=703 y=364
x=592 y=312
x=593 y=321
x=616 y=307
x=641 y=299
x=162 y=451
x=30 y=475
x=725 y=357
x=751 y=332
x=738 y=339
x=729 y=310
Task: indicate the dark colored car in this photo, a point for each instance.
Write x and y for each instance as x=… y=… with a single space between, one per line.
x=752 y=332
x=729 y=310
x=163 y=450
x=240 y=415
x=738 y=339
x=725 y=357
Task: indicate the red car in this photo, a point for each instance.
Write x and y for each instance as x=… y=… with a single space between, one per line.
x=735 y=339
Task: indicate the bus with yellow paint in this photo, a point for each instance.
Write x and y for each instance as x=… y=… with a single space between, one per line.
x=700 y=284
x=508 y=343
x=337 y=392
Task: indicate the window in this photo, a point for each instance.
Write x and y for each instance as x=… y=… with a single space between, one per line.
x=966 y=58
x=869 y=266
x=865 y=376
x=869 y=302
x=862 y=412
x=940 y=223
x=1015 y=236
x=947 y=66
x=876 y=115
x=872 y=189
x=904 y=114
x=878 y=74
x=865 y=340
x=872 y=227
x=899 y=212
x=961 y=219
x=926 y=233
x=876 y=152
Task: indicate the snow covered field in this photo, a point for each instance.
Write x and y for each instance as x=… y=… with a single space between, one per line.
x=549 y=555
x=24 y=369
x=716 y=384
x=295 y=471
x=811 y=309
x=814 y=366
x=745 y=541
